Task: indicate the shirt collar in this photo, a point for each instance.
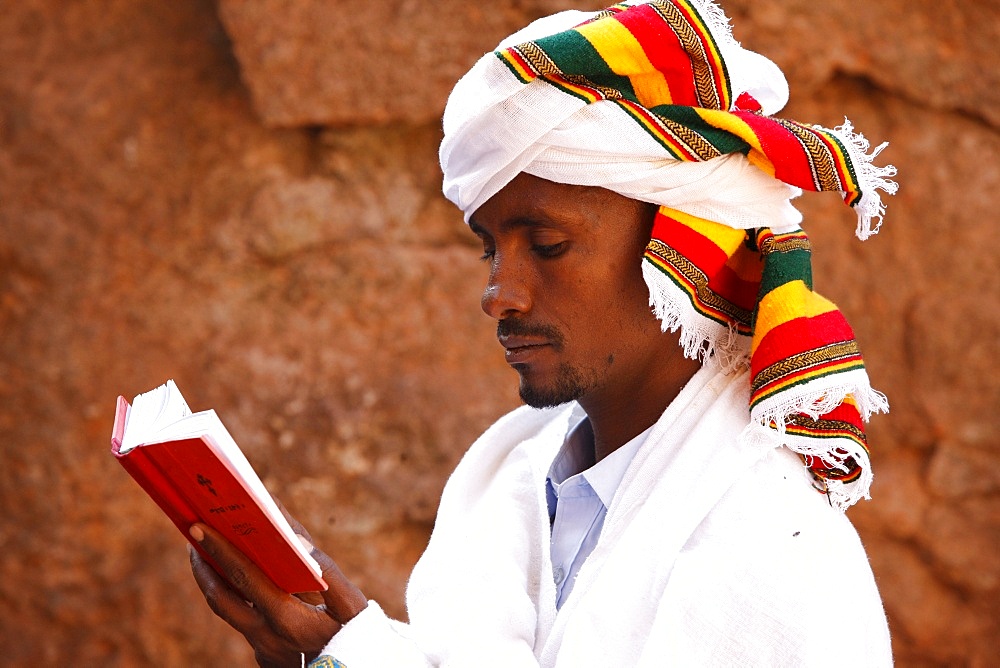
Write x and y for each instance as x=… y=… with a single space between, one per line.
x=576 y=457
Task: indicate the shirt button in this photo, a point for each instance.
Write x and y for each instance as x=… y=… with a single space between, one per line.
x=558 y=574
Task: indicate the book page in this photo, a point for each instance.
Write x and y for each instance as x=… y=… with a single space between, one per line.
x=152 y=411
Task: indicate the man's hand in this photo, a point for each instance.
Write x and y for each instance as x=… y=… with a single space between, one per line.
x=279 y=626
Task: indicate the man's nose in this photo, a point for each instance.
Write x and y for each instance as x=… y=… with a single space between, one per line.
x=507 y=291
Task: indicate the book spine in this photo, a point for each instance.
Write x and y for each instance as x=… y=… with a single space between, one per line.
x=149 y=476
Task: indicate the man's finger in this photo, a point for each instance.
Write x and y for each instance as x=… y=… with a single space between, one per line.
x=223 y=601
x=294 y=523
x=343 y=599
x=310 y=597
x=248 y=581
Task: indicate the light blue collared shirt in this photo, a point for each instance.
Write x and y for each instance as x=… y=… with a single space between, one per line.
x=579 y=492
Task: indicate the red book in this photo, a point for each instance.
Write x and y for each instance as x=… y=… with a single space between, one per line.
x=192 y=468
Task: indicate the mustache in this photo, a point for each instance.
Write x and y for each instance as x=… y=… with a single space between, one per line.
x=515 y=327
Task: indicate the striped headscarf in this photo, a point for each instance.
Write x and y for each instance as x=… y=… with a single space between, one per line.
x=656 y=101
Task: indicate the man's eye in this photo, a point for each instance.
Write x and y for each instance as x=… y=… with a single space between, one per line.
x=549 y=250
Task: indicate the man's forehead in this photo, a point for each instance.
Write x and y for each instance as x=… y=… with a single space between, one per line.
x=530 y=201
x=514 y=223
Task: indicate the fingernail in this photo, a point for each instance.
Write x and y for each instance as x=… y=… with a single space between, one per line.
x=196 y=533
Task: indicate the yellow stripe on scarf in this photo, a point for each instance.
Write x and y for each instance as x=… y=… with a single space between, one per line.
x=728 y=239
x=624 y=55
x=724 y=120
x=787 y=302
x=524 y=73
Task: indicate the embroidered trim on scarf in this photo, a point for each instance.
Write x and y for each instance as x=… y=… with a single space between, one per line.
x=745 y=297
x=662 y=64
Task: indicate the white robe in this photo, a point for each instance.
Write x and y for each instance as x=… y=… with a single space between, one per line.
x=712 y=554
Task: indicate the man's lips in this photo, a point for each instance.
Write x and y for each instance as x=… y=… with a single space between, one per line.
x=521 y=348
x=524 y=341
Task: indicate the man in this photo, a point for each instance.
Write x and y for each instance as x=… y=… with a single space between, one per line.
x=656 y=501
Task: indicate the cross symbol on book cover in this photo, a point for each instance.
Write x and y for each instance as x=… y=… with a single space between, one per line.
x=205 y=482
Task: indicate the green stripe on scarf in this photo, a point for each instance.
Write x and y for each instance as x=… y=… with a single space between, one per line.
x=726 y=142
x=793 y=265
x=575 y=56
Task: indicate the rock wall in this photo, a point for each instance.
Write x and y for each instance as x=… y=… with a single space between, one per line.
x=244 y=196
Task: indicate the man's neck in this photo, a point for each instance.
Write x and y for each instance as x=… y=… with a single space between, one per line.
x=618 y=419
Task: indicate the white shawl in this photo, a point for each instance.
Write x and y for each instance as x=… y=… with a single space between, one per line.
x=711 y=554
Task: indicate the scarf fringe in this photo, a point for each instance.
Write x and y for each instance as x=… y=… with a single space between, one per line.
x=700 y=338
x=820 y=396
x=717 y=21
x=768 y=422
x=842 y=495
x=714 y=343
x=871 y=179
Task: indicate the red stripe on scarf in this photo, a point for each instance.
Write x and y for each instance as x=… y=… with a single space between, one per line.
x=697 y=248
x=846 y=412
x=728 y=284
x=798 y=336
x=782 y=148
x=664 y=51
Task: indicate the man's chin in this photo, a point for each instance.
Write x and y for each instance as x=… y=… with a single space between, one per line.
x=556 y=394
x=536 y=400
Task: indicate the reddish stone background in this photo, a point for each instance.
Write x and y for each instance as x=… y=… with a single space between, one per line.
x=243 y=196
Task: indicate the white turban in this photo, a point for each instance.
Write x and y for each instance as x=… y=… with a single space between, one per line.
x=495 y=127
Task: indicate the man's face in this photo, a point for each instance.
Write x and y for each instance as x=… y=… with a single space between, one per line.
x=566 y=288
